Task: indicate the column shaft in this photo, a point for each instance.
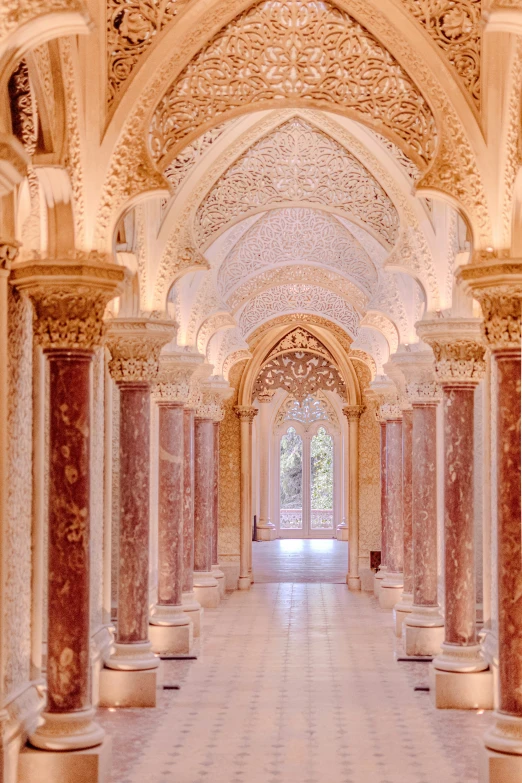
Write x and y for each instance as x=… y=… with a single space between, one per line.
x=170 y=505
x=246 y=416
x=407 y=498
x=215 y=497
x=353 y=414
x=188 y=500
x=203 y=500
x=379 y=576
x=424 y=484
x=392 y=584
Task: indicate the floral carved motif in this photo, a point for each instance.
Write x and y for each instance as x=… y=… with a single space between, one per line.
x=8 y=253
x=458 y=349
x=131 y=28
x=294 y=49
x=135 y=346
x=455 y=26
x=297 y=236
x=232 y=359
x=353 y=412
x=300 y=373
x=308 y=411
x=285 y=299
x=299 y=163
x=174 y=377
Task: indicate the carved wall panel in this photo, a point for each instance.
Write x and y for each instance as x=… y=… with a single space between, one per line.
x=297 y=236
x=296 y=50
x=299 y=163
x=16 y=622
x=301 y=318
x=300 y=373
x=300 y=340
x=307 y=298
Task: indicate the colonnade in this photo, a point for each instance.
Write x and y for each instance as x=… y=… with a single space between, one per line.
x=464 y=672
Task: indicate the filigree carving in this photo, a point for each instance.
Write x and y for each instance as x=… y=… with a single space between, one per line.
x=457 y=347
x=308 y=411
x=24 y=114
x=300 y=340
x=419 y=372
x=300 y=373
x=213 y=324
x=221 y=345
x=174 y=377
x=74 y=157
x=15 y=13
x=179 y=169
x=297 y=236
x=295 y=50
x=384 y=325
x=373 y=343
x=285 y=299
x=408 y=166
x=334 y=329
x=131 y=28
x=69 y=298
x=455 y=26
x=135 y=346
x=297 y=163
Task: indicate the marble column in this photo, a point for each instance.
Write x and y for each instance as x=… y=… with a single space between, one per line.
x=379 y=576
x=69 y=299
x=190 y=605
x=266 y=530
x=459 y=675
x=217 y=573
x=135 y=346
x=206 y=587
x=246 y=415
x=423 y=627
x=497 y=284
x=353 y=414
x=403 y=608
x=393 y=582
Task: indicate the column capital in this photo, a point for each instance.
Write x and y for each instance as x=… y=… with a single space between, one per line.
x=418 y=368
x=353 y=412
x=458 y=349
x=246 y=412
x=173 y=382
x=135 y=345
x=390 y=411
x=213 y=395
x=69 y=296
x=497 y=285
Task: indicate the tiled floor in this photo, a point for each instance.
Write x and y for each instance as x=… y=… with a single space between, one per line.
x=295 y=683
x=300 y=560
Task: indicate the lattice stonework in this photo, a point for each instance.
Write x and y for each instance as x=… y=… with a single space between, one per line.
x=297 y=163
x=300 y=374
x=455 y=26
x=295 y=49
x=177 y=171
x=131 y=27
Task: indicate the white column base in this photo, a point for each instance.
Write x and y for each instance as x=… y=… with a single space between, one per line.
x=497 y=767
x=130 y=688
x=353 y=582
x=67 y=731
x=44 y=766
x=459 y=659
x=391 y=590
x=401 y=611
x=461 y=690
x=132 y=657
x=342 y=532
x=170 y=632
x=193 y=610
x=266 y=532
x=244 y=583
x=505 y=735
x=423 y=631
x=206 y=590
x=219 y=576
x=377 y=582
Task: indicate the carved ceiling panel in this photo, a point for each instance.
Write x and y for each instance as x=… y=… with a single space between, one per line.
x=300 y=374
x=295 y=49
x=179 y=169
x=297 y=236
x=307 y=298
x=455 y=26
x=297 y=163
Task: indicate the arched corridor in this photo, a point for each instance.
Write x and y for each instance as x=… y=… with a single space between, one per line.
x=260 y=391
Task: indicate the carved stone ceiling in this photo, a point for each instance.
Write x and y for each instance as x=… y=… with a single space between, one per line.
x=297 y=163
x=294 y=50
x=297 y=236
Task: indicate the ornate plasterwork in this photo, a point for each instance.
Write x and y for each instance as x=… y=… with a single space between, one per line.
x=388 y=300
x=74 y=158
x=246 y=413
x=15 y=13
x=294 y=49
x=135 y=346
x=413 y=255
x=455 y=26
x=292 y=298
x=297 y=163
x=174 y=376
x=232 y=359
x=410 y=169
x=300 y=340
x=189 y=157
x=131 y=28
x=210 y=405
x=222 y=345
x=24 y=114
x=297 y=236
x=312 y=409
x=213 y=324
x=368 y=341
x=384 y=325
x=341 y=336
x=458 y=349
x=300 y=373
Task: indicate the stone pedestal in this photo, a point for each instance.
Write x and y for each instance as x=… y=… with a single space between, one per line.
x=69 y=298
x=131 y=688
x=91 y=765
x=246 y=415
x=497 y=284
x=460 y=690
x=392 y=584
x=353 y=414
x=193 y=609
x=342 y=532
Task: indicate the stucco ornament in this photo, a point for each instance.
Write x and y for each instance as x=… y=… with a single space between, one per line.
x=297 y=163
x=300 y=373
x=69 y=298
x=173 y=380
x=296 y=50
x=213 y=396
x=418 y=369
x=297 y=236
x=189 y=157
x=135 y=345
x=458 y=349
x=312 y=409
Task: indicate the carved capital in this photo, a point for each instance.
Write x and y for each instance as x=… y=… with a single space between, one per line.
x=211 y=402
x=135 y=345
x=458 y=349
x=245 y=413
x=418 y=369
x=9 y=249
x=69 y=298
x=353 y=412
x=497 y=285
x=173 y=382
x=390 y=411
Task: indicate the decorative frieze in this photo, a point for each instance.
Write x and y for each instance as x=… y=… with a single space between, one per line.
x=135 y=345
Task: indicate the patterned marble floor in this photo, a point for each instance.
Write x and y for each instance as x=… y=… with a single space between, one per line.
x=300 y=560
x=295 y=683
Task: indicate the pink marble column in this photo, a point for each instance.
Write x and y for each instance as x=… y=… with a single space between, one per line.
x=404 y=606
x=69 y=299
x=216 y=571
x=382 y=570
x=205 y=585
x=497 y=285
x=392 y=584
x=171 y=631
x=190 y=605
